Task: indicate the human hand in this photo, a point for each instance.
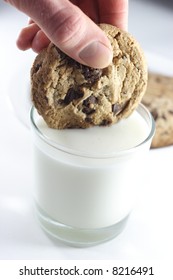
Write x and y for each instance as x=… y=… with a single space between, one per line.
x=70 y=25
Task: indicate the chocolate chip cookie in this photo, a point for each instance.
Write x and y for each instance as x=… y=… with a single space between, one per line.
x=159 y=100
x=71 y=95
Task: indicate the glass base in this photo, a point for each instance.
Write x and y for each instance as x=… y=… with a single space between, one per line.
x=79 y=237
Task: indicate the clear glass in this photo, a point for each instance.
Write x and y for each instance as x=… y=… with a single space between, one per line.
x=81 y=197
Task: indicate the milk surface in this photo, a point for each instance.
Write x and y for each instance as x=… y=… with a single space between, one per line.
x=100 y=141
x=89 y=186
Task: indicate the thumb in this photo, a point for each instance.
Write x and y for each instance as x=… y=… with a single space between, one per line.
x=70 y=30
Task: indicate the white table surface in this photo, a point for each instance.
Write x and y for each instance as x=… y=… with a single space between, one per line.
x=149 y=232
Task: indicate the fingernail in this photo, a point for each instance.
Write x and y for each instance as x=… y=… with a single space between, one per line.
x=96 y=55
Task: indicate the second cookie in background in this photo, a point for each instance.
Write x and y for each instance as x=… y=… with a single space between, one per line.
x=159 y=100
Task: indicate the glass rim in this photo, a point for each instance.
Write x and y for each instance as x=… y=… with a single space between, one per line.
x=74 y=152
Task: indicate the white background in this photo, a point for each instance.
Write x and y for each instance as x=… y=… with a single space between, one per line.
x=149 y=232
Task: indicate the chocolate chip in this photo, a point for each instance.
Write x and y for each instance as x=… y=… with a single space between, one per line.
x=92 y=75
x=116 y=108
x=158 y=79
x=88 y=111
x=155 y=114
x=88 y=120
x=37 y=67
x=72 y=94
x=90 y=100
x=105 y=122
x=164 y=117
x=88 y=105
x=60 y=101
x=62 y=55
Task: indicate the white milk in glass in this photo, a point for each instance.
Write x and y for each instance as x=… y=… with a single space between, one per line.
x=86 y=180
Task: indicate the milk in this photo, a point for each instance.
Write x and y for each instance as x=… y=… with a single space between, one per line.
x=88 y=178
x=100 y=141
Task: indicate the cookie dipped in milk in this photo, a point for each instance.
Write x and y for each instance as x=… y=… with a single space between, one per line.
x=90 y=133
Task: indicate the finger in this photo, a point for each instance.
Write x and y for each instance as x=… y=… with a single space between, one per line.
x=71 y=30
x=90 y=8
x=26 y=36
x=40 y=41
x=115 y=12
x=30 y=21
